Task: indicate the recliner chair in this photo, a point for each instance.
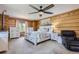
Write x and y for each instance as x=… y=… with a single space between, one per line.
x=69 y=40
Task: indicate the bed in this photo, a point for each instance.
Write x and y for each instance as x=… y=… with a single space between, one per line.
x=41 y=35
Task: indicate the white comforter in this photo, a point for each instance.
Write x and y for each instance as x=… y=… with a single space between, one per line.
x=43 y=36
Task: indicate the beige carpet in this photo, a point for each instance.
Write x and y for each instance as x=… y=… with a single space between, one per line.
x=21 y=46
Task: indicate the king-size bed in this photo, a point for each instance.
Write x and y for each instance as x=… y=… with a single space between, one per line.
x=41 y=35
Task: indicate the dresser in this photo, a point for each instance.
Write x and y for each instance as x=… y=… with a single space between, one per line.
x=14 y=32
x=3 y=41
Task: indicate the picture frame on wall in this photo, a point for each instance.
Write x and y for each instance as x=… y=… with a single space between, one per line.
x=46 y=22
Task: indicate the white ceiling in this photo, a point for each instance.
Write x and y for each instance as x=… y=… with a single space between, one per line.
x=22 y=10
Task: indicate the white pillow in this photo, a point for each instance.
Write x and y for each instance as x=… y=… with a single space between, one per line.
x=45 y=29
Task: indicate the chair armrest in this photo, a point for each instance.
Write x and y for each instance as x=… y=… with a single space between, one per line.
x=77 y=39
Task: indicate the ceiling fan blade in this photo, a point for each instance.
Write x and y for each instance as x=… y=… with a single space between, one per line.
x=34 y=7
x=48 y=12
x=32 y=12
x=48 y=7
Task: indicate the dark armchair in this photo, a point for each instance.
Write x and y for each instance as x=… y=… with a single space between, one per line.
x=69 y=40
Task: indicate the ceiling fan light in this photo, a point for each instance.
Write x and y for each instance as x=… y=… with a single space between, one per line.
x=40 y=15
x=40 y=12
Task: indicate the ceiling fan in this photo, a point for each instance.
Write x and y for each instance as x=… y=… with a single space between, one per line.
x=43 y=10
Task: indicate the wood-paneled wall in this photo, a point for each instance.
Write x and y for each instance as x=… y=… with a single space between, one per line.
x=30 y=23
x=6 y=27
x=5 y=22
x=12 y=22
x=34 y=24
x=66 y=21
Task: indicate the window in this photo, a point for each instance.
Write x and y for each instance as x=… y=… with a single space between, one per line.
x=22 y=27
